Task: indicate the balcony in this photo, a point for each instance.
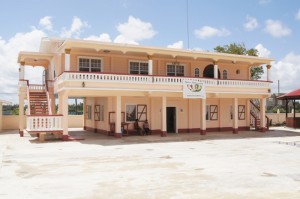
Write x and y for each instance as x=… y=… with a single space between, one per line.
x=105 y=81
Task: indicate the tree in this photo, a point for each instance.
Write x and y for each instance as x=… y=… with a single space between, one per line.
x=240 y=49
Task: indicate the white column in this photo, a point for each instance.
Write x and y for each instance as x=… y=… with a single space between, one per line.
x=268 y=72
x=235 y=115
x=21 y=114
x=21 y=71
x=63 y=96
x=263 y=114
x=1 y=121
x=163 y=116
x=84 y=113
x=216 y=70
x=67 y=59
x=150 y=65
x=203 y=117
x=118 y=119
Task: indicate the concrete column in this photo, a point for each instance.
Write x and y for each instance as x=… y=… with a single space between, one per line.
x=262 y=115
x=203 y=117
x=216 y=70
x=21 y=114
x=52 y=103
x=67 y=59
x=118 y=119
x=268 y=72
x=21 y=70
x=65 y=111
x=235 y=121
x=84 y=113
x=163 y=116
x=150 y=65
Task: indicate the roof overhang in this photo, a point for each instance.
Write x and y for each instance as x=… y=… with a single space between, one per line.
x=34 y=58
x=291 y=95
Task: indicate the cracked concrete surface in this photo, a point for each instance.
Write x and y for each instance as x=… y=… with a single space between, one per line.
x=217 y=165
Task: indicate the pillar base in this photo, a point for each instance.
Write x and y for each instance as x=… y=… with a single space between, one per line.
x=203 y=132
x=84 y=128
x=65 y=137
x=118 y=135
x=263 y=129
x=163 y=133
x=235 y=130
x=21 y=133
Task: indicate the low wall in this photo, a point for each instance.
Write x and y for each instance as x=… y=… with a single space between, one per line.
x=10 y=122
x=279 y=118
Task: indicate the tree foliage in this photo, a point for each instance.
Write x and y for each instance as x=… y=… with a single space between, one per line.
x=240 y=49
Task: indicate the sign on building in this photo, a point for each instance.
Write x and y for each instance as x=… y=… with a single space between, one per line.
x=193 y=89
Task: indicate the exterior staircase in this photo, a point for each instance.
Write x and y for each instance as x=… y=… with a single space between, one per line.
x=38 y=103
x=255 y=116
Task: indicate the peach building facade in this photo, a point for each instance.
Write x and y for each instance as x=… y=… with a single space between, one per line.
x=121 y=83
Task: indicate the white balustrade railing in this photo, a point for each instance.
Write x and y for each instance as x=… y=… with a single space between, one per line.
x=37 y=87
x=44 y=123
x=121 y=78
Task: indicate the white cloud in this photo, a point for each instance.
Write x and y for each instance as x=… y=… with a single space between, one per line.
x=208 y=31
x=134 y=30
x=262 y=51
x=276 y=28
x=76 y=28
x=9 y=76
x=298 y=15
x=251 y=23
x=102 y=37
x=264 y=1
x=287 y=71
x=177 y=45
x=46 y=22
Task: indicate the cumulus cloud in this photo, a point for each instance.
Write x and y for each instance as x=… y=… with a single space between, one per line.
x=46 y=22
x=262 y=51
x=298 y=15
x=102 y=37
x=276 y=28
x=134 y=30
x=176 y=45
x=287 y=71
x=251 y=23
x=207 y=32
x=76 y=28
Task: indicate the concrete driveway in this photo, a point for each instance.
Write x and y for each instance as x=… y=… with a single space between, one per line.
x=218 y=165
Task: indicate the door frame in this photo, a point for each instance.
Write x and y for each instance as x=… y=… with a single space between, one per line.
x=176 y=117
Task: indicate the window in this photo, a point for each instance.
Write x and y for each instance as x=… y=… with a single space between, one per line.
x=138 y=67
x=213 y=112
x=241 y=110
x=224 y=74
x=175 y=70
x=99 y=113
x=89 y=64
x=89 y=112
x=134 y=112
x=197 y=72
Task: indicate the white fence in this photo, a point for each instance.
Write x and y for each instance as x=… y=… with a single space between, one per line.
x=44 y=123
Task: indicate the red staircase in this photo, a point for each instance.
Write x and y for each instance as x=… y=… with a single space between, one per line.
x=38 y=103
x=255 y=113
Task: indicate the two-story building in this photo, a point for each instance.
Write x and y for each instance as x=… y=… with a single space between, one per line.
x=121 y=83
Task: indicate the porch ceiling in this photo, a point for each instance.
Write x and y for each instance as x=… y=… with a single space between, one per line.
x=35 y=58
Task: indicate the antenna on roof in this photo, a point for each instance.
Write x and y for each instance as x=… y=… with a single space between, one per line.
x=187 y=24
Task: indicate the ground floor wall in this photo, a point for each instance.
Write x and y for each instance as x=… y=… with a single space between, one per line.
x=100 y=113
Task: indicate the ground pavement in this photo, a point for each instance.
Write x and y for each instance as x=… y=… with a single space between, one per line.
x=217 y=165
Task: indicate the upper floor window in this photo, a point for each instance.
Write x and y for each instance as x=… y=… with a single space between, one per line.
x=89 y=64
x=175 y=70
x=138 y=67
x=197 y=72
x=224 y=74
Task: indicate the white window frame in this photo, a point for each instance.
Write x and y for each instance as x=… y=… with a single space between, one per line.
x=198 y=69
x=225 y=71
x=184 y=66
x=139 y=61
x=90 y=58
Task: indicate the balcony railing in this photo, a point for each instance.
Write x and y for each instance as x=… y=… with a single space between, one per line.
x=44 y=123
x=145 y=79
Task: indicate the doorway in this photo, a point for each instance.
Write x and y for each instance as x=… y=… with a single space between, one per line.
x=171 y=119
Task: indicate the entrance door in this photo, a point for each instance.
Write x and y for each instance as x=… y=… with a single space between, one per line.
x=171 y=119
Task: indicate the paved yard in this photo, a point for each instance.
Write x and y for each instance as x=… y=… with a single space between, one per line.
x=218 y=165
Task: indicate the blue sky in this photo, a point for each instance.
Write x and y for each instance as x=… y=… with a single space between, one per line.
x=271 y=26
